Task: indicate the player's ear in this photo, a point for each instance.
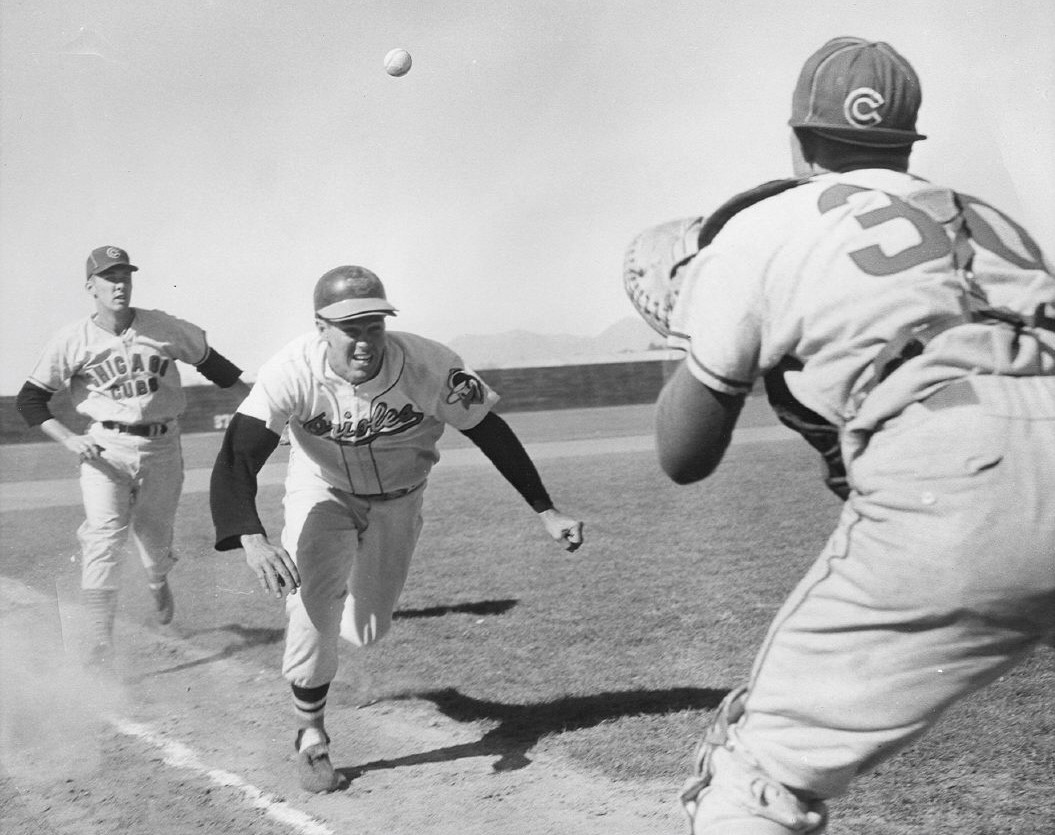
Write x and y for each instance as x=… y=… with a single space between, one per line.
x=803 y=152
x=320 y=325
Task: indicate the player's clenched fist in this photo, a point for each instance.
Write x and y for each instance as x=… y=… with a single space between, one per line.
x=273 y=568
x=562 y=528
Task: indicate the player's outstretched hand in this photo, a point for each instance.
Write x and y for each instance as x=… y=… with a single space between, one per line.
x=562 y=528
x=273 y=567
x=83 y=446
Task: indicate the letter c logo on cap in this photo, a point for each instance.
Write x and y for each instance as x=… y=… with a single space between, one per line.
x=861 y=107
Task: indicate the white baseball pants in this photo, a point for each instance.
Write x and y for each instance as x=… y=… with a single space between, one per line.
x=353 y=554
x=939 y=578
x=135 y=489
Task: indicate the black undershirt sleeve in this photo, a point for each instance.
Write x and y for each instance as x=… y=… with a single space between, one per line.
x=220 y=370
x=500 y=444
x=32 y=404
x=247 y=444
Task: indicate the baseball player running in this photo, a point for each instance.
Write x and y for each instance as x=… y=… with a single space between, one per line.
x=917 y=320
x=364 y=408
x=120 y=367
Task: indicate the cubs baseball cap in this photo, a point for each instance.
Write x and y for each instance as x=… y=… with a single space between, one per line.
x=350 y=293
x=860 y=92
x=105 y=257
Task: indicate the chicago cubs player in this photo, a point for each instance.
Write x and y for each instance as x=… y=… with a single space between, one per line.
x=364 y=409
x=120 y=367
x=918 y=321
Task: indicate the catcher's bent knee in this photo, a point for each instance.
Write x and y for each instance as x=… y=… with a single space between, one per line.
x=730 y=793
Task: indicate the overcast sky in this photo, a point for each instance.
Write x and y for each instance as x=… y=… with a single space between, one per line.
x=239 y=150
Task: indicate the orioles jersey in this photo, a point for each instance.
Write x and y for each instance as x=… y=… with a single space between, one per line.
x=831 y=271
x=374 y=438
x=130 y=377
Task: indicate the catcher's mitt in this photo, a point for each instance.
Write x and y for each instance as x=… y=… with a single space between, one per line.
x=652 y=268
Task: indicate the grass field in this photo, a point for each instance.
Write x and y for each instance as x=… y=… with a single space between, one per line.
x=613 y=657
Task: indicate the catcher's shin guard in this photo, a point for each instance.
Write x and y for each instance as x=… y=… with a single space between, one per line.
x=731 y=795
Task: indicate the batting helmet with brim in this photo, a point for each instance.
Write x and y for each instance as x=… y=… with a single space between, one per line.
x=350 y=293
x=859 y=92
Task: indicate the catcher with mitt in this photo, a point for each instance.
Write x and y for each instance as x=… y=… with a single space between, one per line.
x=906 y=330
x=654 y=269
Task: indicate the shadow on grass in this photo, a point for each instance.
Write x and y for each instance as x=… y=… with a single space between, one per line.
x=520 y=727
x=249 y=637
x=484 y=607
x=254 y=637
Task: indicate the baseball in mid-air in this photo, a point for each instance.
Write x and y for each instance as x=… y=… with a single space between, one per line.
x=397 y=62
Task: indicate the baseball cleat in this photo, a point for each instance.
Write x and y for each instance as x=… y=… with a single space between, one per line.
x=313 y=764
x=164 y=604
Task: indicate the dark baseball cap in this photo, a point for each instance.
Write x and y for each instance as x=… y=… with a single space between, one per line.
x=350 y=293
x=105 y=257
x=860 y=92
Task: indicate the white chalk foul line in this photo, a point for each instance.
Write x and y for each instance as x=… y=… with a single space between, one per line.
x=179 y=755
x=16 y=595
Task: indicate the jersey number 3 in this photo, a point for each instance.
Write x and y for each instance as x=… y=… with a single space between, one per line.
x=997 y=234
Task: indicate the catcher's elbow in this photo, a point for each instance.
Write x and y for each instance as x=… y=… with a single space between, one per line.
x=682 y=478
x=682 y=470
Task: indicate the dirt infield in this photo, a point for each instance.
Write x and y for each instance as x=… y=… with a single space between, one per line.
x=185 y=738
x=177 y=742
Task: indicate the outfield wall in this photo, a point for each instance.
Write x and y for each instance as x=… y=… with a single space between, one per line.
x=522 y=389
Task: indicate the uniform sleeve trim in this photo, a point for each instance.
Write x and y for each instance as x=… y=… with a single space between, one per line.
x=715 y=381
x=49 y=389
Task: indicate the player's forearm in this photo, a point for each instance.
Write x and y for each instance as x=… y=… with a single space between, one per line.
x=32 y=404
x=502 y=447
x=246 y=446
x=57 y=430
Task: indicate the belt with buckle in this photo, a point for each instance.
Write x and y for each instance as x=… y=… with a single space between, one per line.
x=144 y=430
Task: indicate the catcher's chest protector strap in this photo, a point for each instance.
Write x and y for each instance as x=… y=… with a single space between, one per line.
x=818 y=432
x=976 y=308
x=736 y=204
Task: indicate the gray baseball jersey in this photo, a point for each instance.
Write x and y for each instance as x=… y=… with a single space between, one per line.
x=130 y=377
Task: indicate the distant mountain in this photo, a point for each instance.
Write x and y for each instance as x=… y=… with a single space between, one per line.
x=627 y=336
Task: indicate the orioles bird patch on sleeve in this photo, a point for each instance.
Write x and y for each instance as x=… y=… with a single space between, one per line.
x=465 y=387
